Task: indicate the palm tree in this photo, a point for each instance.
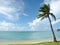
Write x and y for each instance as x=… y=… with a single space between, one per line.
x=45 y=13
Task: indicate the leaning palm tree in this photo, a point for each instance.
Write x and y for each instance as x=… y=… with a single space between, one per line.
x=45 y=13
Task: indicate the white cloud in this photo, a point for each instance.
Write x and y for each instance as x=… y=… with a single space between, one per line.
x=38 y=24
x=11 y=9
x=4 y=26
x=7 y=26
x=55 y=22
x=34 y=23
x=55 y=8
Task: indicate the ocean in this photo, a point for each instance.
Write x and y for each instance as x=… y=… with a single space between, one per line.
x=24 y=36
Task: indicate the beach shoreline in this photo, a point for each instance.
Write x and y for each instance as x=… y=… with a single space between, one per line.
x=25 y=42
x=28 y=42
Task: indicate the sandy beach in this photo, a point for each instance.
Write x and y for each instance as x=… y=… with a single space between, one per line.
x=25 y=42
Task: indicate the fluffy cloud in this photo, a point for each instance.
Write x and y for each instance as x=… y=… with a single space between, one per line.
x=38 y=24
x=6 y=26
x=11 y=9
x=34 y=23
x=55 y=22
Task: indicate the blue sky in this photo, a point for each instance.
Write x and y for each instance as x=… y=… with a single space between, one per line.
x=20 y=15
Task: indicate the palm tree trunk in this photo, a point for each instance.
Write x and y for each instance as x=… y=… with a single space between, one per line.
x=54 y=38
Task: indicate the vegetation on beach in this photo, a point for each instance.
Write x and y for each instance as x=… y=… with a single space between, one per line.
x=45 y=43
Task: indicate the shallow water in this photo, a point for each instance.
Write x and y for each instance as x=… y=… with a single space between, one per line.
x=23 y=36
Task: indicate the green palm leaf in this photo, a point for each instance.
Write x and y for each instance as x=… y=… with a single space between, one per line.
x=40 y=15
x=53 y=16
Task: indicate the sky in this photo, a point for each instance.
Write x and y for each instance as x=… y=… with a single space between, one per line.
x=21 y=15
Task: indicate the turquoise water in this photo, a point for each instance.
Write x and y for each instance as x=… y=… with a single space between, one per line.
x=23 y=36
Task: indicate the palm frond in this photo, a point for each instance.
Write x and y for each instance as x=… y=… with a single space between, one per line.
x=53 y=16
x=40 y=15
x=45 y=8
x=42 y=18
x=49 y=7
x=45 y=16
